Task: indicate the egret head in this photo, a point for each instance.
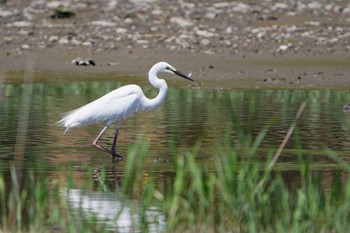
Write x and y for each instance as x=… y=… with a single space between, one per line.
x=167 y=68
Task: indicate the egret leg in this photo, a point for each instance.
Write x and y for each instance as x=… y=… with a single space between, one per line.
x=112 y=152
x=114 y=145
x=94 y=143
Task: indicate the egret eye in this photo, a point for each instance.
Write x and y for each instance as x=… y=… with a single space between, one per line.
x=170 y=68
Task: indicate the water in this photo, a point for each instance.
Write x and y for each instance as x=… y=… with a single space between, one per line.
x=29 y=137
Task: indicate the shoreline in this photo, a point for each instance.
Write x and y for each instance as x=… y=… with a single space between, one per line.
x=215 y=71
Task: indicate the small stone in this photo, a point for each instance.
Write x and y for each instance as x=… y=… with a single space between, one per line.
x=181 y=22
x=4 y=13
x=157 y=12
x=241 y=7
x=20 y=24
x=63 y=12
x=75 y=42
x=282 y=48
x=112 y=4
x=228 y=43
x=205 y=42
x=142 y=41
x=315 y=5
x=121 y=30
x=222 y=5
x=56 y=4
x=312 y=23
x=346 y=107
x=279 y=6
x=63 y=41
x=128 y=20
x=8 y=39
x=25 y=46
x=53 y=38
x=204 y=33
x=103 y=23
x=87 y=43
x=80 y=62
x=211 y=15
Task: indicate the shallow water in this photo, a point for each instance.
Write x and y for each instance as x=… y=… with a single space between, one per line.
x=29 y=137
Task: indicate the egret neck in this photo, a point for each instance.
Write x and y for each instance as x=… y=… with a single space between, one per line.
x=148 y=104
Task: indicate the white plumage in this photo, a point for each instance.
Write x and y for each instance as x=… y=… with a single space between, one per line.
x=119 y=104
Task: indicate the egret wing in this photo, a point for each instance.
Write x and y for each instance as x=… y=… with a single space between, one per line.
x=117 y=108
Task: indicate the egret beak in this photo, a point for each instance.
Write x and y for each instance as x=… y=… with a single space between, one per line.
x=182 y=75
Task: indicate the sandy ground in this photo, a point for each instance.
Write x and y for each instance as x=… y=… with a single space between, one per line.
x=218 y=71
x=231 y=45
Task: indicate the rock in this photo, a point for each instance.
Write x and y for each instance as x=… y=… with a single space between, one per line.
x=8 y=39
x=283 y=48
x=75 y=42
x=312 y=23
x=87 y=43
x=25 y=46
x=63 y=41
x=240 y=7
x=346 y=107
x=103 y=23
x=314 y=5
x=181 y=22
x=80 y=62
x=20 y=24
x=128 y=20
x=205 y=42
x=279 y=6
x=121 y=30
x=112 y=4
x=53 y=38
x=205 y=33
x=56 y=4
x=222 y=5
x=63 y=12
x=5 y=13
x=211 y=15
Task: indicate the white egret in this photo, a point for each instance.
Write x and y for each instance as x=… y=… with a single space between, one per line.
x=120 y=104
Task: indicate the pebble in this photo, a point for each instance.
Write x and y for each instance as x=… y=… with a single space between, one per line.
x=103 y=23
x=20 y=24
x=181 y=22
x=80 y=62
x=211 y=15
x=204 y=33
x=53 y=38
x=25 y=46
x=283 y=48
x=7 y=13
x=121 y=30
x=55 y=4
x=205 y=42
x=63 y=41
x=87 y=43
x=346 y=107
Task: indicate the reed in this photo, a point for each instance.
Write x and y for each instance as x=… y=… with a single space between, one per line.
x=228 y=198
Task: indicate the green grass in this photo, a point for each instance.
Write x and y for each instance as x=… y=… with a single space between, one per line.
x=228 y=199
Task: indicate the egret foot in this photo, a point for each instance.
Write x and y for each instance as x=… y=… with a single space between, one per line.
x=119 y=157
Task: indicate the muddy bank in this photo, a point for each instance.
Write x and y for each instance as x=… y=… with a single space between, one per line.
x=210 y=71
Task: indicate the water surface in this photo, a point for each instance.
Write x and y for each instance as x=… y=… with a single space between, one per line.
x=30 y=138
